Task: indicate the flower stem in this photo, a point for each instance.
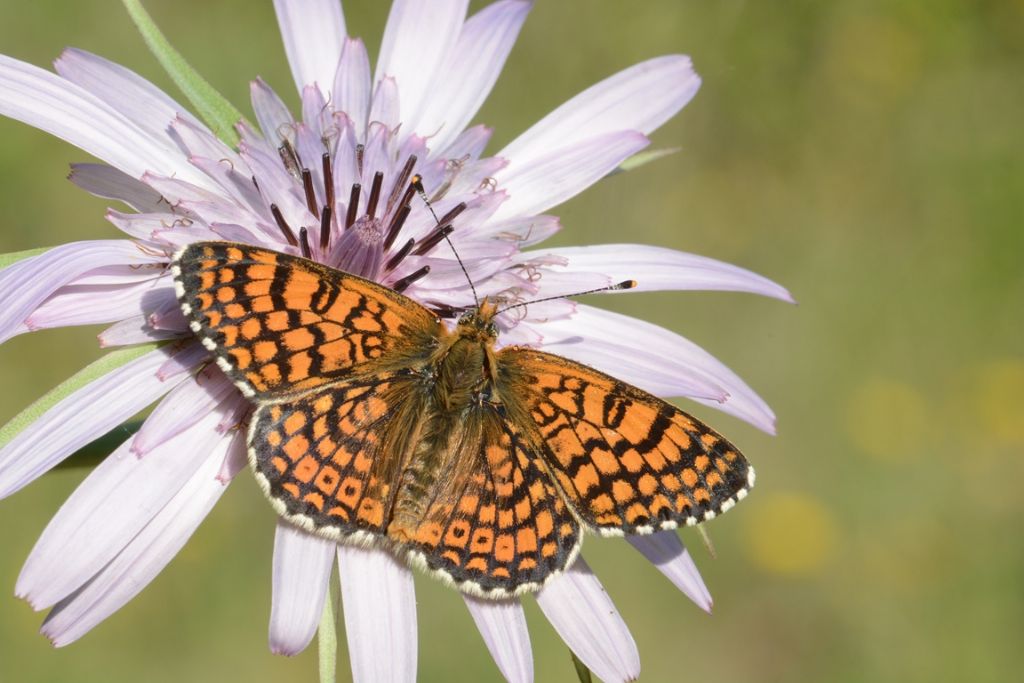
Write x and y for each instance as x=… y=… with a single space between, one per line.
x=327 y=636
x=582 y=672
x=218 y=113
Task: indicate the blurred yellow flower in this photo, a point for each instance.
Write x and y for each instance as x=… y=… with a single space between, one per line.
x=887 y=419
x=998 y=400
x=793 y=534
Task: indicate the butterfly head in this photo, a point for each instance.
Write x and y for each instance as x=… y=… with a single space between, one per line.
x=479 y=323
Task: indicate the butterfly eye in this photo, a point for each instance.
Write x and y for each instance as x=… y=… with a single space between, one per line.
x=492 y=330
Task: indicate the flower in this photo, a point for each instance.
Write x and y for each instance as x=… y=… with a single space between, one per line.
x=297 y=185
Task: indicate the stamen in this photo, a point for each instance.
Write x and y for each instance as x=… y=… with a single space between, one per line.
x=446 y=311
x=304 y=242
x=397 y=221
x=450 y=216
x=282 y=224
x=360 y=149
x=289 y=158
x=400 y=255
x=433 y=240
x=353 y=206
x=307 y=185
x=410 y=190
x=328 y=179
x=403 y=284
x=400 y=181
x=371 y=204
x=325 y=227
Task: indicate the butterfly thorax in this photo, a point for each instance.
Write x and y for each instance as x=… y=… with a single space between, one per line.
x=459 y=380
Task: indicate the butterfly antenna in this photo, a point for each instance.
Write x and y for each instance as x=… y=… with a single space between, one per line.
x=417 y=182
x=625 y=284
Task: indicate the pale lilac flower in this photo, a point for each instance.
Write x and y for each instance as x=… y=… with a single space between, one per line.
x=294 y=184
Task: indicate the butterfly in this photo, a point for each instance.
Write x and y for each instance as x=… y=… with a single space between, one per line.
x=374 y=423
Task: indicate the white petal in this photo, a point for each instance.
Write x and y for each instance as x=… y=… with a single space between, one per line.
x=271 y=113
x=145 y=555
x=88 y=305
x=110 y=183
x=182 y=408
x=470 y=142
x=578 y=607
x=657 y=268
x=27 y=283
x=524 y=231
x=669 y=555
x=639 y=98
x=385 y=109
x=146 y=105
x=551 y=179
x=379 y=602
x=134 y=330
x=352 y=84
x=313 y=31
x=84 y=415
x=415 y=45
x=471 y=70
x=182 y=362
x=503 y=627
x=114 y=503
x=48 y=102
x=302 y=572
x=641 y=344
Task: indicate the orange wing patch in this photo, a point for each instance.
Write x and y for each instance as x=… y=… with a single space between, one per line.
x=627 y=461
x=317 y=455
x=504 y=530
x=280 y=326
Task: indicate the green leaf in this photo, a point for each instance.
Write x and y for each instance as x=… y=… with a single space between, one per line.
x=327 y=636
x=643 y=158
x=219 y=114
x=94 y=370
x=15 y=256
x=582 y=672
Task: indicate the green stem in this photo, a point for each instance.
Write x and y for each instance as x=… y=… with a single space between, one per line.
x=327 y=636
x=582 y=672
x=218 y=113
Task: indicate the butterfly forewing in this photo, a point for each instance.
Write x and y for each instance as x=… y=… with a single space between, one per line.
x=627 y=461
x=280 y=325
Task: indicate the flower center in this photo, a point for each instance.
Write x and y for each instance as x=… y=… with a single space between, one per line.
x=361 y=236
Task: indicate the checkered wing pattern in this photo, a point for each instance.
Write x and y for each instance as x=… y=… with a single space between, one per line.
x=322 y=457
x=628 y=462
x=280 y=326
x=500 y=527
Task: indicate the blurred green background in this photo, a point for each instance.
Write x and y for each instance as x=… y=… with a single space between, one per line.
x=867 y=154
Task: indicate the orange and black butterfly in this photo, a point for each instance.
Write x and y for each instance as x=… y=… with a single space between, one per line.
x=374 y=423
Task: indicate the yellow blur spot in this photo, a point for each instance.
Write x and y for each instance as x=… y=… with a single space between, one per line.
x=793 y=534
x=887 y=419
x=999 y=400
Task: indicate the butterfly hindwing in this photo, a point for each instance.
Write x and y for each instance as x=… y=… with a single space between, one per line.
x=627 y=461
x=501 y=528
x=322 y=458
x=280 y=325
